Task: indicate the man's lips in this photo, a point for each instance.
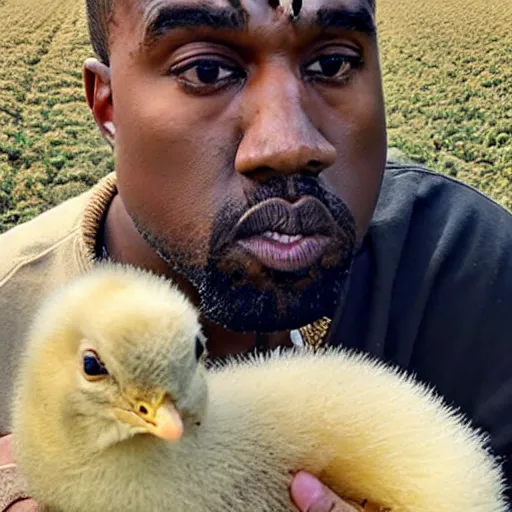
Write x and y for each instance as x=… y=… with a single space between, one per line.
x=286 y=256
x=284 y=236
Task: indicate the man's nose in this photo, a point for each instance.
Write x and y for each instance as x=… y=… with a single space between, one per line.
x=279 y=137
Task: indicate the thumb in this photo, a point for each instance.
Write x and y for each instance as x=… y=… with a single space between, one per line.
x=310 y=495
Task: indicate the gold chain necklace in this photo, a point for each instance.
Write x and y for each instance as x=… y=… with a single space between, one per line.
x=312 y=335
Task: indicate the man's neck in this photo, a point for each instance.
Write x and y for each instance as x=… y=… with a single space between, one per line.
x=125 y=245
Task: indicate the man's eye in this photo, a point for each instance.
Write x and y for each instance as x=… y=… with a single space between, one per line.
x=333 y=67
x=206 y=74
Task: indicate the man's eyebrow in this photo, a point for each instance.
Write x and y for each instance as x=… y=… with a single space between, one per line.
x=173 y=17
x=358 y=20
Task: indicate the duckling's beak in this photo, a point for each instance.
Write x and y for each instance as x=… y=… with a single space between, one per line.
x=160 y=419
x=165 y=422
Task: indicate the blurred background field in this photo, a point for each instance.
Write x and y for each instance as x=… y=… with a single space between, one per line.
x=447 y=67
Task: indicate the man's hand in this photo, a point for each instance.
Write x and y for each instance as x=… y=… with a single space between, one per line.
x=310 y=495
x=6 y=459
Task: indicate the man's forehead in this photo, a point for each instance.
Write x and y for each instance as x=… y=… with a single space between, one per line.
x=303 y=8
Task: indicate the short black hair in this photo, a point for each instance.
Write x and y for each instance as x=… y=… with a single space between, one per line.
x=99 y=17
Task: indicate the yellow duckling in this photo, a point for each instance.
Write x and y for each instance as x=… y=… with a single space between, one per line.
x=115 y=411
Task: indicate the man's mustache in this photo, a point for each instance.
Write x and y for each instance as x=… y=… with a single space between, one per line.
x=288 y=188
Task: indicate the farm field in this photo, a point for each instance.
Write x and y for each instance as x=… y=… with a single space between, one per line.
x=447 y=67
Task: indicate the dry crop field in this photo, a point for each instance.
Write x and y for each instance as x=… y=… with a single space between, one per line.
x=447 y=68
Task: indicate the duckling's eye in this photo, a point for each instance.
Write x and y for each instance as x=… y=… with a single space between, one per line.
x=199 y=348
x=92 y=366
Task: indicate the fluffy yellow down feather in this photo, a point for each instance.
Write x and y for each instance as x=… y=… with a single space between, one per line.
x=367 y=430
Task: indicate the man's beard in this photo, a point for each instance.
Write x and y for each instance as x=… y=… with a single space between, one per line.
x=266 y=300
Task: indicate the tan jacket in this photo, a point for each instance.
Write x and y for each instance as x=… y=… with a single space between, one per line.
x=36 y=257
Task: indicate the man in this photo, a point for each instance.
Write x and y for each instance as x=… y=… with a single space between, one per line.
x=250 y=149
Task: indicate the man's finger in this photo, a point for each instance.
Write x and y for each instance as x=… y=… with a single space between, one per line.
x=310 y=495
x=5 y=450
x=27 y=505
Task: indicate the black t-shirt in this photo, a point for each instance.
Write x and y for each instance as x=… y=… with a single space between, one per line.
x=431 y=291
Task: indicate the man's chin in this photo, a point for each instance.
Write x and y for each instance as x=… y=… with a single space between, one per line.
x=273 y=300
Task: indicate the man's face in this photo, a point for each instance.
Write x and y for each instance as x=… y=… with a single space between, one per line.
x=250 y=147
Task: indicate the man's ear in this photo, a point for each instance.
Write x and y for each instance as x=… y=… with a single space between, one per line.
x=98 y=91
